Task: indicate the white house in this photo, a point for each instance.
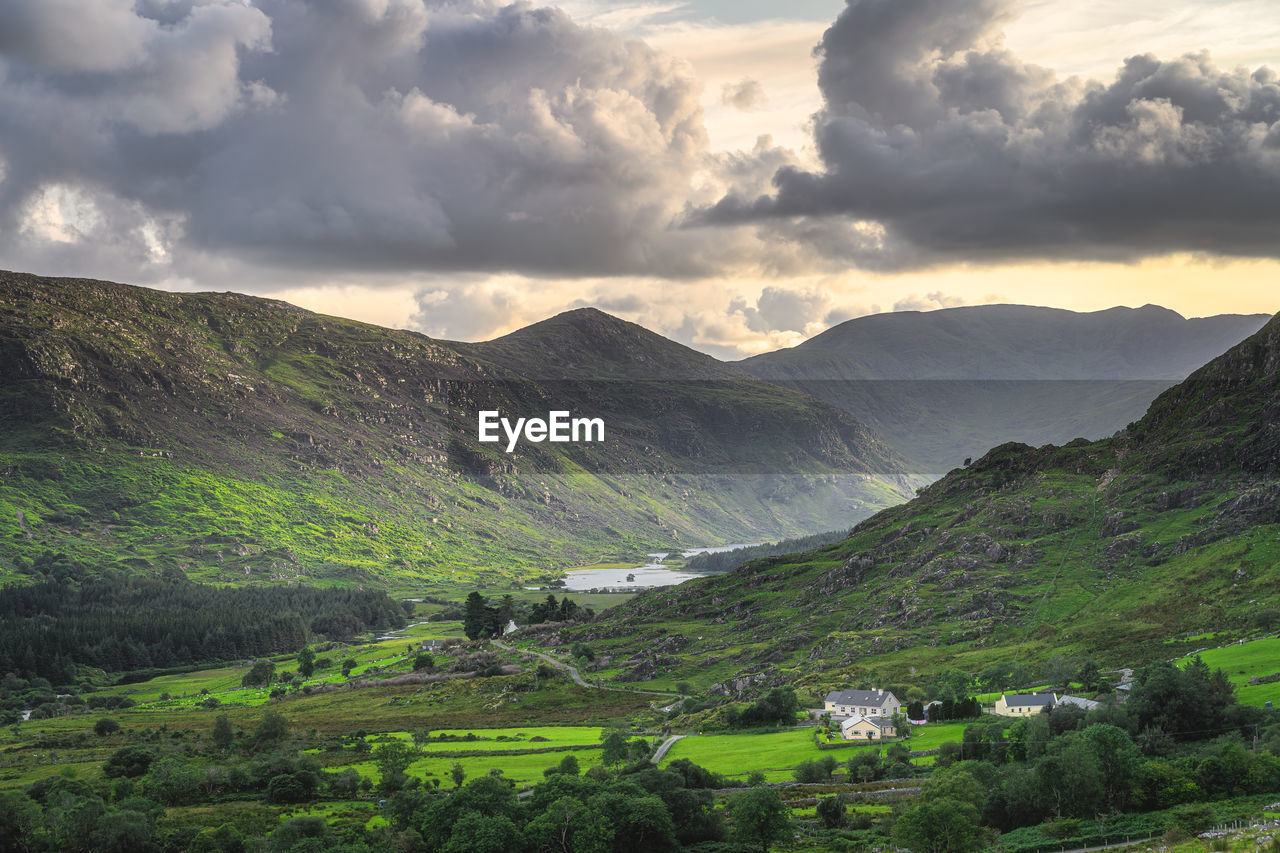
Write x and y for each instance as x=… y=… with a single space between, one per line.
x=867 y=728
x=867 y=703
x=1024 y=704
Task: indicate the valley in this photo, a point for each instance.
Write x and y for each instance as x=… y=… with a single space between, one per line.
x=266 y=589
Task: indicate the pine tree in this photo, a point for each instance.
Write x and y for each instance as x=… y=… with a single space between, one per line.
x=475 y=616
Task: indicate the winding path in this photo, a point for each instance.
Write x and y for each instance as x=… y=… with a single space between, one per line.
x=577 y=676
x=662 y=751
x=560 y=665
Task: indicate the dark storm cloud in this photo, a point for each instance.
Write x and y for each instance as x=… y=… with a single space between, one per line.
x=945 y=145
x=370 y=134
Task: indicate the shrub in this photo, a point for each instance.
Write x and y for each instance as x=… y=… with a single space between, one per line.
x=129 y=762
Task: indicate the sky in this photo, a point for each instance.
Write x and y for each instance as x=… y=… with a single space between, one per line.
x=736 y=174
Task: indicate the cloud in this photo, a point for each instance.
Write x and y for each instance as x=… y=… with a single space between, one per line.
x=928 y=302
x=366 y=136
x=958 y=150
x=745 y=95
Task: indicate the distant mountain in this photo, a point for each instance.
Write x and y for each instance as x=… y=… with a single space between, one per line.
x=944 y=385
x=588 y=344
x=245 y=439
x=1115 y=549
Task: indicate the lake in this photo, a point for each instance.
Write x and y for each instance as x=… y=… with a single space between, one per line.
x=651 y=574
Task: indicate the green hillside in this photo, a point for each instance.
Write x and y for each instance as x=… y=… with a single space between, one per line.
x=246 y=440
x=1104 y=548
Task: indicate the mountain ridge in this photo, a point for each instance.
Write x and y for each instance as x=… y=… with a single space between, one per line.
x=247 y=439
x=946 y=385
x=1034 y=343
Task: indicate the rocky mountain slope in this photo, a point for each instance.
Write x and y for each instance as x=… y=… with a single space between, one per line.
x=945 y=385
x=246 y=439
x=1110 y=548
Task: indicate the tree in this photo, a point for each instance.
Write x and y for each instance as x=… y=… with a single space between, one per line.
x=939 y=826
x=295 y=830
x=348 y=665
x=759 y=816
x=569 y=765
x=393 y=759
x=105 y=726
x=123 y=832
x=1070 y=777
x=457 y=774
x=777 y=707
x=1118 y=758
x=20 y=820
x=864 y=765
x=222 y=732
x=615 y=749
x=423 y=661
x=819 y=770
x=261 y=674
x=129 y=762
x=1089 y=675
x=568 y=824
x=306 y=662
x=272 y=729
x=475 y=616
x=477 y=833
x=954 y=783
x=286 y=788
x=506 y=610
x=831 y=811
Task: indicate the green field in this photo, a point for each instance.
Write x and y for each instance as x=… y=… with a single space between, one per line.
x=776 y=754
x=1239 y=661
x=223 y=683
x=526 y=737
x=522 y=769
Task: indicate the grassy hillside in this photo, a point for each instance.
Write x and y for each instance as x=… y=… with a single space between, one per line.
x=243 y=439
x=1104 y=548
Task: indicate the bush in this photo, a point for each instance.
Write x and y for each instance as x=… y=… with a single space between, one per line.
x=286 y=788
x=1192 y=818
x=129 y=762
x=831 y=811
x=105 y=726
x=819 y=770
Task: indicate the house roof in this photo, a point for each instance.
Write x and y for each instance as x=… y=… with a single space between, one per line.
x=1078 y=701
x=878 y=722
x=1032 y=700
x=872 y=698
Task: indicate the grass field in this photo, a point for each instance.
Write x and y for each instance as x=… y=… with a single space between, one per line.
x=1239 y=661
x=504 y=739
x=522 y=769
x=777 y=754
x=223 y=683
